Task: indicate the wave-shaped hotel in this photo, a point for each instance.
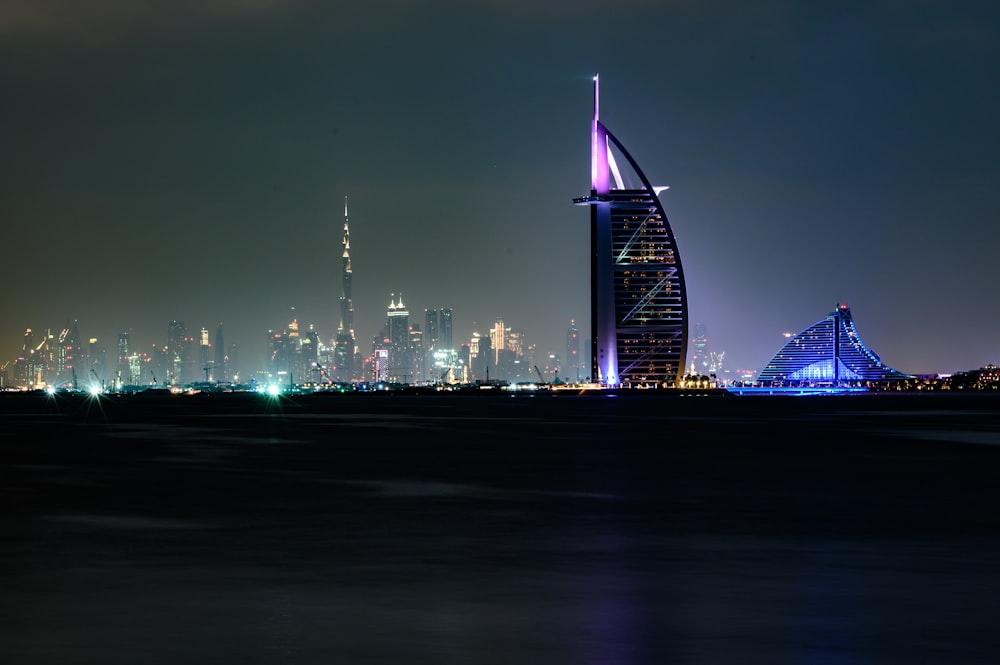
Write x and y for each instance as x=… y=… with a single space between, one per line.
x=639 y=311
x=829 y=352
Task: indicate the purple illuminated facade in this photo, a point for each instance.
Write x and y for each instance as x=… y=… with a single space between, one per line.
x=639 y=313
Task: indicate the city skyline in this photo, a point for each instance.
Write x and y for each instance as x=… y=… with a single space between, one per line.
x=189 y=161
x=416 y=349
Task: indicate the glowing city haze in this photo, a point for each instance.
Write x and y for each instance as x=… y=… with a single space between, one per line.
x=189 y=162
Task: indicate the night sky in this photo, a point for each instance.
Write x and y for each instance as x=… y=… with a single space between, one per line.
x=189 y=160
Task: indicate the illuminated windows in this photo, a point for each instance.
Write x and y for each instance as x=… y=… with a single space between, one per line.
x=828 y=352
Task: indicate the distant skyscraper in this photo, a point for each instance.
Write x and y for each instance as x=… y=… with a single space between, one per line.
x=204 y=354
x=176 y=358
x=639 y=312
x=124 y=374
x=484 y=358
x=279 y=356
x=233 y=362
x=700 y=361
x=67 y=352
x=285 y=362
x=432 y=339
x=418 y=360
x=572 y=367
x=399 y=339
x=190 y=371
x=346 y=343
x=380 y=364
x=158 y=363
x=498 y=340
x=309 y=353
x=445 y=339
x=220 y=355
x=26 y=370
x=431 y=329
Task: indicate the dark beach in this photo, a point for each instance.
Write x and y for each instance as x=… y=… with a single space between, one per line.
x=236 y=528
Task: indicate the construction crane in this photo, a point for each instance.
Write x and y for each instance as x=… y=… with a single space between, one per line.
x=97 y=378
x=539 y=372
x=323 y=373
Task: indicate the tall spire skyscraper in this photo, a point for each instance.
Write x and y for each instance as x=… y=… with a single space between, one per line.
x=343 y=369
x=638 y=298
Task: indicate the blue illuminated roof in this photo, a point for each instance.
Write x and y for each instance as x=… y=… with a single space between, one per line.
x=829 y=352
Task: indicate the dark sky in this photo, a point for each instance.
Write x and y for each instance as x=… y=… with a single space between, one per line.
x=189 y=160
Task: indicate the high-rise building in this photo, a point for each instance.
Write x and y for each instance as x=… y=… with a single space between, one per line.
x=220 y=355
x=572 y=366
x=345 y=346
x=464 y=357
x=498 y=340
x=418 y=360
x=431 y=338
x=431 y=330
x=233 y=362
x=158 y=365
x=190 y=370
x=701 y=360
x=482 y=356
x=297 y=369
x=507 y=352
x=176 y=357
x=285 y=362
x=309 y=355
x=380 y=364
x=445 y=339
x=438 y=341
x=30 y=366
x=399 y=369
x=122 y=373
x=639 y=312
x=67 y=353
x=204 y=354
x=277 y=353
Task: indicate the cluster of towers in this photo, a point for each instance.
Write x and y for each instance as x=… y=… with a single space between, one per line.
x=64 y=359
x=403 y=352
x=54 y=357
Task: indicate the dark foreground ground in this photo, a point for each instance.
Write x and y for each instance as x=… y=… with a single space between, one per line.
x=524 y=530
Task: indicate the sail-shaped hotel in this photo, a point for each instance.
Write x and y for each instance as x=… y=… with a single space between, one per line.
x=639 y=311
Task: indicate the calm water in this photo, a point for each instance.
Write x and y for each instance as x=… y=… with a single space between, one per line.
x=500 y=530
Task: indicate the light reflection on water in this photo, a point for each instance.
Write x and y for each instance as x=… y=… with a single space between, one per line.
x=382 y=591
x=350 y=542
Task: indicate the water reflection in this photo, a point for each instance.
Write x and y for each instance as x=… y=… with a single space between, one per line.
x=349 y=540
x=607 y=606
